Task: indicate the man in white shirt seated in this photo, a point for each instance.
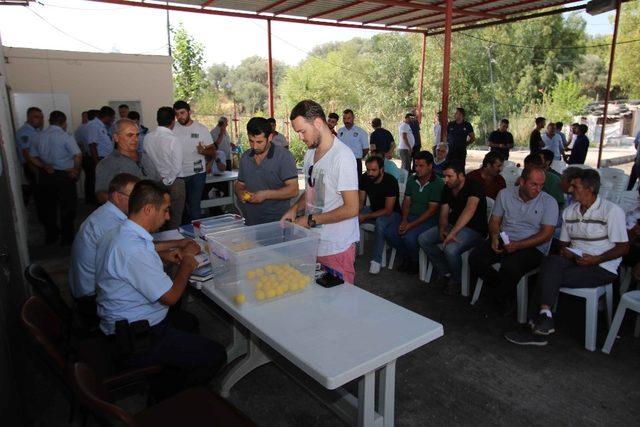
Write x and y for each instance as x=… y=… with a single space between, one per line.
x=593 y=241
x=165 y=152
x=132 y=286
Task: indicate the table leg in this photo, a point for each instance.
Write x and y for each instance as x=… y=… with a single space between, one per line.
x=254 y=359
x=232 y=194
x=239 y=345
x=366 y=400
x=386 y=393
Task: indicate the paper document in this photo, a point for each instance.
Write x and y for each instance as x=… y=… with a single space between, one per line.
x=576 y=251
x=505 y=237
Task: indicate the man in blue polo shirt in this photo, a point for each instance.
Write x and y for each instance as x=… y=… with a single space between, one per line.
x=354 y=137
x=132 y=286
x=459 y=136
x=24 y=138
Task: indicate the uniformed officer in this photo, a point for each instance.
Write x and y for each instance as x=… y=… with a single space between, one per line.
x=354 y=137
x=100 y=143
x=459 y=135
x=58 y=158
x=132 y=286
x=24 y=138
x=82 y=135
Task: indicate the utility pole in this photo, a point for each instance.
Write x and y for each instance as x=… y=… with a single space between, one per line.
x=493 y=90
x=168 y=31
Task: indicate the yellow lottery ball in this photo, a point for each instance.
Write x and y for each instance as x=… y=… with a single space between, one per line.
x=260 y=295
x=239 y=299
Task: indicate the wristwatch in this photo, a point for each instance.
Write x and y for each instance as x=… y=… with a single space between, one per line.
x=310 y=221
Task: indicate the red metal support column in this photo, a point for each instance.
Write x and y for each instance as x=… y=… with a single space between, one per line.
x=420 y=85
x=606 y=94
x=270 y=70
x=445 y=68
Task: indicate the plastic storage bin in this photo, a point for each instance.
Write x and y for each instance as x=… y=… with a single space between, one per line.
x=204 y=226
x=263 y=262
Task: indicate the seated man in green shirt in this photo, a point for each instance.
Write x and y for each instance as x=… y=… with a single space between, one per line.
x=551 y=181
x=419 y=211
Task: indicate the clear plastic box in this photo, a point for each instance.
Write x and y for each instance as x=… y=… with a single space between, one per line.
x=263 y=262
x=204 y=226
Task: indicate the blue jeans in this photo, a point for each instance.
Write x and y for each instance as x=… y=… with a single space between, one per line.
x=449 y=259
x=381 y=223
x=407 y=244
x=194 y=185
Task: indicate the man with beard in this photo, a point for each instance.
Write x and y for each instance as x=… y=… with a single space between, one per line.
x=354 y=137
x=194 y=138
x=332 y=121
x=382 y=191
x=330 y=200
x=267 y=177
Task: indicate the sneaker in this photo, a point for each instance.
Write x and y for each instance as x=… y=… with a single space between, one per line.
x=451 y=289
x=543 y=324
x=374 y=267
x=525 y=337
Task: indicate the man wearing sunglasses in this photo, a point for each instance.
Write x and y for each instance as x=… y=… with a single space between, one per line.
x=124 y=159
x=330 y=201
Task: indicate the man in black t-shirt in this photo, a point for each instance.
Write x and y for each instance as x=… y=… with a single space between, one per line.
x=381 y=140
x=382 y=191
x=462 y=226
x=501 y=140
x=535 y=140
x=459 y=135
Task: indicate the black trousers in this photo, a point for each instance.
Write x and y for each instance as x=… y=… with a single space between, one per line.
x=89 y=179
x=189 y=359
x=559 y=272
x=359 y=166
x=512 y=267
x=633 y=176
x=59 y=198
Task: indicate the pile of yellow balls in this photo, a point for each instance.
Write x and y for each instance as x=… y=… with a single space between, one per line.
x=242 y=245
x=274 y=280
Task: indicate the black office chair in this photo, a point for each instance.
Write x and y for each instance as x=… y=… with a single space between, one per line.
x=44 y=286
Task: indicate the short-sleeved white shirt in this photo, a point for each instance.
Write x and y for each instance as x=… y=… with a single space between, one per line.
x=355 y=138
x=333 y=173
x=597 y=231
x=553 y=144
x=405 y=128
x=190 y=137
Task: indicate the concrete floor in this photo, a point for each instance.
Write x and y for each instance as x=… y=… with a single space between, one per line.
x=471 y=376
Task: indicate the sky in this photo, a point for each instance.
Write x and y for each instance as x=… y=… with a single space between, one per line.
x=79 y=25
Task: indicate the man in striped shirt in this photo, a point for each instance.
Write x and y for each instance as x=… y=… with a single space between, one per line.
x=593 y=241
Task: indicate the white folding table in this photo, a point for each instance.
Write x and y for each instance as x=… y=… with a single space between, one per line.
x=334 y=335
x=230 y=177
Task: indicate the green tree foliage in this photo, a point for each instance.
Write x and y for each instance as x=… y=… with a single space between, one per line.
x=626 y=69
x=188 y=65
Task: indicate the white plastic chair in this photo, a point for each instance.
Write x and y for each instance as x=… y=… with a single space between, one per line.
x=616 y=177
x=511 y=175
x=365 y=228
x=627 y=200
x=522 y=293
x=402 y=184
x=631 y=301
x=558 y=166
x=592 y=296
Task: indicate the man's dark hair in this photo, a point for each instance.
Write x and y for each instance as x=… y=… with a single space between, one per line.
x=33 y=110
x=92 y=114
x=258 y=126
x=455 y=165
x=123 y=106
x=571 y=173
x=308 y=109
x=376 y=123
x=540 y=120
x=147 y=192
x=379 y=160
x=57 y=118
x=547 y=155
x=334 y=116
x=505 y=121
x=271 y=120
x=490 y=158
x=528 y=170
x=559 y=125
x=533 y=159
x=461 y=111
x=408 y=115
x=165 y=116
x=575 y=124
x=133 y=115
x=181 y=105
x=120 y=182
x=348 y=111
x=106 y=111
x=590 y=179
x=424 y=155
x=583 y=129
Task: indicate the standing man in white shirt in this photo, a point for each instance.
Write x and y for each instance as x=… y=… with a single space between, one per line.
x=165 y=152
x=407 y=141
x=221 y=138
x=330 y=201
x=193 y=137
x=553 y=141
x=354 y=137
x=277 y=138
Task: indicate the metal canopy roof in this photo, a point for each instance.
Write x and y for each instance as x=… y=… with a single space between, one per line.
x=391 y=15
